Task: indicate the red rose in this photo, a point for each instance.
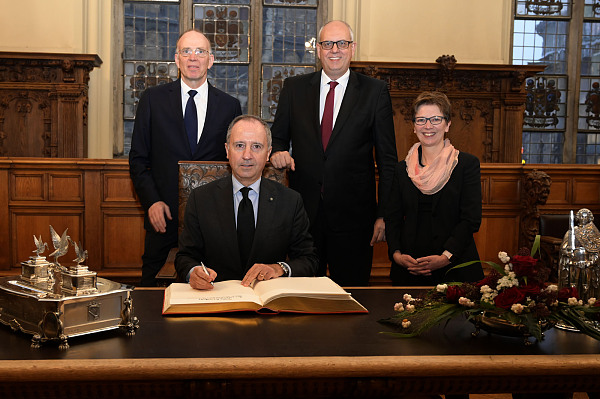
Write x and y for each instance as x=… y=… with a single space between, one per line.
x=524 y=266
x=530 y=290
x=568 y=292
x=453 y=292
x=509 y=297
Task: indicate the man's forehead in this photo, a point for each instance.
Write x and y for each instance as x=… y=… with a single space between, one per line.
x=193 y=39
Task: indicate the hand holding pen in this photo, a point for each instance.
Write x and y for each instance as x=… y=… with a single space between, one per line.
x=201 y=277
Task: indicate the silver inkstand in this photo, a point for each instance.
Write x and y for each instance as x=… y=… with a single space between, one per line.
x=54 y=303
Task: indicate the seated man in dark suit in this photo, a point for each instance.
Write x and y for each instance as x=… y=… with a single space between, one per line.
x=244 y=227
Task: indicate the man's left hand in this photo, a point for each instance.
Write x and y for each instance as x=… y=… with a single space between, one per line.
x=378 y=231
x=262 y=272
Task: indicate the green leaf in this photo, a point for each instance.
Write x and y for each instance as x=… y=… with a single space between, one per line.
x=535 y=246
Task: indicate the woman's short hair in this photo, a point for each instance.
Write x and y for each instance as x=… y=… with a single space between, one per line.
x=433 y=98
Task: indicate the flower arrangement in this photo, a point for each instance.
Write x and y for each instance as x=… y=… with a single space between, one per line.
x=515 y=292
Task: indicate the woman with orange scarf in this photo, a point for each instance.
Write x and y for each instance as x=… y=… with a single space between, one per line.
x=435 y=203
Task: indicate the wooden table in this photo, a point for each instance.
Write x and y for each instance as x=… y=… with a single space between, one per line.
x=292 y=356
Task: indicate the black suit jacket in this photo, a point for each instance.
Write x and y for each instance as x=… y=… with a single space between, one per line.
x=344 y=174
x=160 y=141
x=456 y=216
x=209 y=234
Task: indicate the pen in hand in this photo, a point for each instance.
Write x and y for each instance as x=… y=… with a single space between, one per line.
x=206 y=271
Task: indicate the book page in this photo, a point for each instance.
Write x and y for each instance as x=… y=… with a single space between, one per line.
x=231 y=291
x=306 y=287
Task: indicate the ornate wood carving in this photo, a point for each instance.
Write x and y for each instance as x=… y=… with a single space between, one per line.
x=43 y=104
x=536 y=188
x=488 y=102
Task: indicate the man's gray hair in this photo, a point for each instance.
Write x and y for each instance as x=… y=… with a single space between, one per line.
x=248 y=117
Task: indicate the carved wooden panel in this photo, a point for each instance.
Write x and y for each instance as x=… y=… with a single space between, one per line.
x=28 y=186
x=488 y=102
x=43 y=104
x=118 y=187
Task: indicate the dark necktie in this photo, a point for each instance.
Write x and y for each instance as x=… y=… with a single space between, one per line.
x=191 y=121
x=245 y=225
x=327 y=120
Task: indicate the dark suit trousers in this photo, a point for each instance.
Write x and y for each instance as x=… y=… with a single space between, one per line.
x=348 y=254
x=156 y=251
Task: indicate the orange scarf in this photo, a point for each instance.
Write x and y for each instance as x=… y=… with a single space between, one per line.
x=431 y=178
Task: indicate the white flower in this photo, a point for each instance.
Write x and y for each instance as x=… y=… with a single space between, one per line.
x=517 y=308
x=410 y=308
x=552 y=288
x=466 y=302
x=407 y=297
x=507 y=281
x=488 y=294
x=399 y=307
x=574 y=302
x=405 y=323
x=441 y=287
x=591 y=301
x=503 y=256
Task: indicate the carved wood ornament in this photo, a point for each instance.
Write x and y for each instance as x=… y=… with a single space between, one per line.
x=43 y=104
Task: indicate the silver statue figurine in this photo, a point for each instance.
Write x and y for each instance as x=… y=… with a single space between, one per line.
x=579 y=255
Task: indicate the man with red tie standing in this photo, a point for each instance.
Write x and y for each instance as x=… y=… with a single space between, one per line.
x=334 y=119
x=183 y=120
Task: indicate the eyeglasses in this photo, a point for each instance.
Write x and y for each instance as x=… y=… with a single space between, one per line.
x=435 y=120
x=200 y=52
x=341 y=44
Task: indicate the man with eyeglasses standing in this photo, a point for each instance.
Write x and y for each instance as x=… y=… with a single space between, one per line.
x=334 y=119
x=183 y=120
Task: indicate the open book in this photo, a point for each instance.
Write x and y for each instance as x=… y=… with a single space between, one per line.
x=294 y=294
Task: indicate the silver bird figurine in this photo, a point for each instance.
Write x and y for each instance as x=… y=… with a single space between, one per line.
x=40 y=245
x=60 y=243
x=81 y=254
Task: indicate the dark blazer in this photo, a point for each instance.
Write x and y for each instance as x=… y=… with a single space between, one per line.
x=209 y=234
x=345 y=173
x=456 y=216
x=160 y=141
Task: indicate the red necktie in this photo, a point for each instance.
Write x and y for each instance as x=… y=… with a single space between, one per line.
x=327 y=120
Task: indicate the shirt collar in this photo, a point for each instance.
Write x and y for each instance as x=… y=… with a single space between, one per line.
x=237 y=185
x=202 y=90
x=343 y=80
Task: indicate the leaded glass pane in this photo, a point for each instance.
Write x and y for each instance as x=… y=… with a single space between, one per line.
x=542 y=147
x=541 y=42
x=233 y=80
x=590 y=49
x=544 y=8
x=272 y=83
x=545 y=106
x=227 y=27
x=289 y=35
x=290 y=3
x=589 y=105
x=592 y=9
x=138 y=76
x=151 y=30
x=588 y=148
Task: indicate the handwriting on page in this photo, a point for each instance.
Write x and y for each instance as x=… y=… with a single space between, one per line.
x=220 y=298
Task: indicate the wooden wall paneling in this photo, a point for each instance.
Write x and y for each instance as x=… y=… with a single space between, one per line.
x=123 y=239
x=92 y=239
x=4 y=216
x=96 y=201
